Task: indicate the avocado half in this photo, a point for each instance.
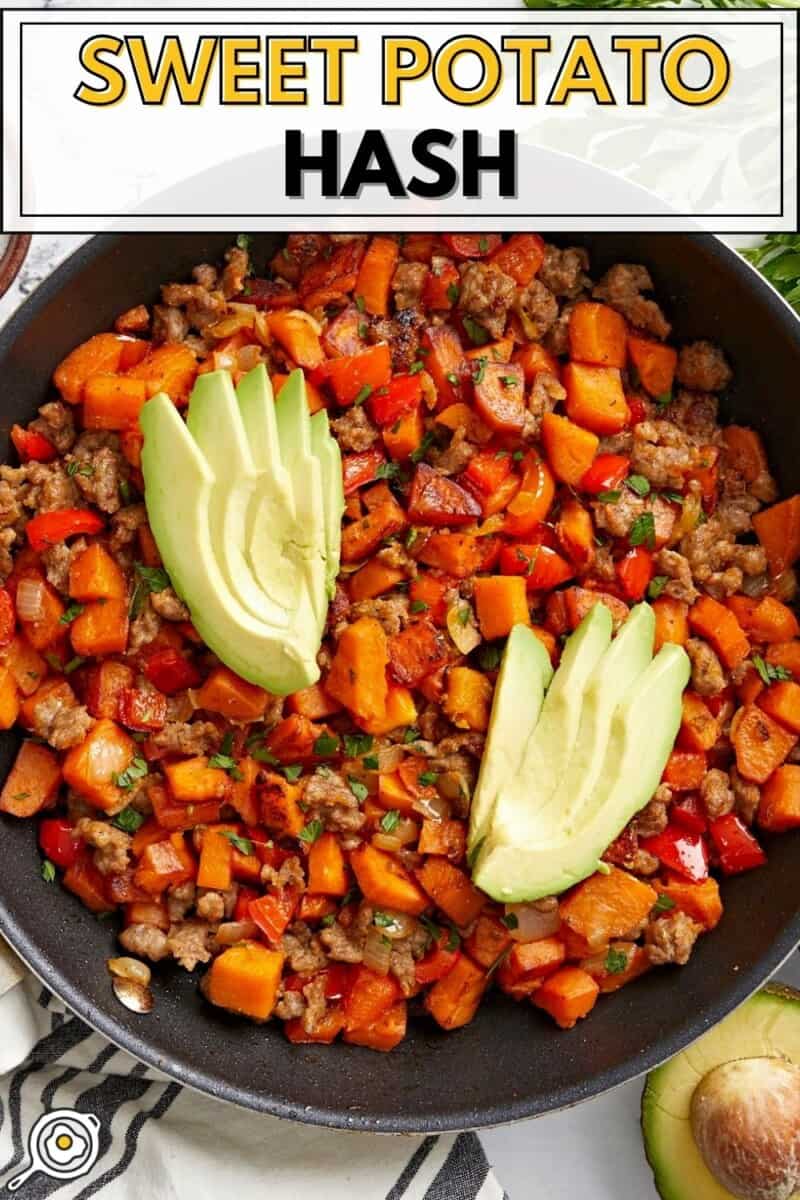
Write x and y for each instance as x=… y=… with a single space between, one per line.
x=765 y=1026
x=245 y=500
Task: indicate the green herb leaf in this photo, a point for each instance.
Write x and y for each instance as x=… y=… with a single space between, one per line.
x=664 y=399
x=475 y=332
x=411 y=537
x=328 y=920
x=672 y=497
x=359 y=789
x=778 y=259
x=156 y=578
x=48 y=871
x=483 y=244
x=638 y=484
x=73 y=664
x=418 y=606
x=453 y=293
x=433 y=930
x=82 y=468
x=428 y=778
x=608 y=497
x=518 y=455
x=360 y=303
x=423 y=448
x=480 y=371
x=382 y=920
x=463 y=615
x=656 y=586
x=356 y=744
x=371 y=762
x=616 y=961
x=129 y=820
x=293 y=772
x=510 y=920
x=498 y=962
x=453 y=940
x=643 y=531
x=310 y=832
x=387 y=470
x=769 y=673
x=364 y=393
x=263 y=755
x=225 y=763
x=136 y=770
x=242 y=844
x=490 y=656
x=411 y=734
x=663 y=904
x=416 y=367
x=244 y=241
x=326 y=744
x=509 y=380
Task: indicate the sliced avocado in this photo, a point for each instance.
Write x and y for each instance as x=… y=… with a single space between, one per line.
x=305 y=473
x=623 y=662
x=271 y=518
x=524 y=675
x=178 y=493
x=215 y=423
x=766 y=1025
x=549 y=857
x=549 y=748
x=326 y=449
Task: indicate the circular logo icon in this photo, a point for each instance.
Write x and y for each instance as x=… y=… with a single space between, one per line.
x=63 y=1144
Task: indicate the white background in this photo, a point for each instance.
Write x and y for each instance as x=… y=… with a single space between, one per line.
x=719 y=159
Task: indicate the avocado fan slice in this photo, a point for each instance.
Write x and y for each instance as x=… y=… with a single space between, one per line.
x=525 y=673
x=766 y=1025
x=326 y=449
x=178 y=491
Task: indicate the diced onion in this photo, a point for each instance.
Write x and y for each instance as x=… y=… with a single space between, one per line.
x=464 y=632
x=309 y=320
x=436 y=808
x=130 y=968
x=402 y=925
x=532 y=923
x=390 y=757
x=786 y=586
x=377 y=951
x=30 y=599
x=406 y=830
x=231 y=324
x=231 y=932
x=248 y=357
x=387 y=841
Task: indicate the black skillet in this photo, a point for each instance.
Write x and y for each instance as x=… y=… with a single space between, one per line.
x=510 y=1062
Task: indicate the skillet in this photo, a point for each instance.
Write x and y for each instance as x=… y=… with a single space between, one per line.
x=509 y=1063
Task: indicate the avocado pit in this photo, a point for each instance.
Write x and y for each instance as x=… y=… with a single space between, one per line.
x=745 y=1119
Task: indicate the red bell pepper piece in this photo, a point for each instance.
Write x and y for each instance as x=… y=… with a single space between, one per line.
x=689 y=815
x=8 y=618
x=637 y=410
x=471 y=245
x=442 y=286
x=356 y=376
x=360 y=469
x=399 y=396
x=682 y=852
x=243 y=897
x=59 y=841
x=49 y=528
x=606 y=473
x=170 y=672
x=32 y=446
x=338 y=977
x=273 y=912
x=736 y=847
x=635 y=571
x=438 y=961
x=542 y=566
x=142 y=710
x=487 y=469
x=436 y=500
x=269 y=294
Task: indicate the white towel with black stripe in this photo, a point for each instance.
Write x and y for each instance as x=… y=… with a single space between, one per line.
x=151 y=1139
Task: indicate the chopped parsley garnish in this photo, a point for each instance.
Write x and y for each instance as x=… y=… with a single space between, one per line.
x=463 y=615
x=608 y=497
x=656 y=586
x=69 y=614
x=451 y=377
x=293 y=772
x=326 y=744
x=360 y=303
x=263 y=755
x=364 y=394
x=370 y=762
x=363 y=329
x=672 y=497
x=638 y=484
x=73 y=664
x=48 y=871
x=328 y=920
x=79 y=468
x=411 y=537
x=475 y=332
x=501 y=454
x=509 y=380
x=20 y=796
x=416 y=367
x=244 y=241
x=483 y=244
x=242 y=844
x=128 y=820
x=616 y=962
x=664 y=399
x=643 y=531
x=418 y=606
x=389 y=820
x=664 y=903
x=52 y=660
x=481 y=371
x=411 y=734
x=125 y=489
x=489 y=656
x=228 y=764
x=136 y=770
x=387 y=470
x=356 y=744
x=147 y=579
x=453 y=293
x=518 y=455
x=768 y=672
x=382 y=920
x=510 y=920
x=433 y=930
x=423 y=448
x=428 y=778
x=359 y=789
x=310 y=832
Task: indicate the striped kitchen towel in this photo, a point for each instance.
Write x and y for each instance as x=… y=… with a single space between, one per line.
x=79 y=1117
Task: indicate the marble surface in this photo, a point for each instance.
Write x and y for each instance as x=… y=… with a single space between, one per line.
x=594 y=1150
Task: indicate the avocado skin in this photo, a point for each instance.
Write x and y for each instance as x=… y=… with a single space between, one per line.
x=768 y=1024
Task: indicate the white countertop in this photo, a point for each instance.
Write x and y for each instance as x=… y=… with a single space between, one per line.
x=592 y=1151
